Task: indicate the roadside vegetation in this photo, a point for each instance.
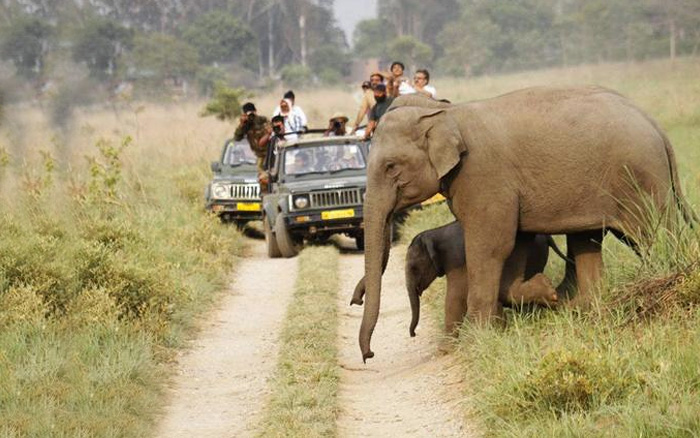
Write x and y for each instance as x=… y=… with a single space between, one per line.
x=305 y=385
x=630 y=366
x=103 y=270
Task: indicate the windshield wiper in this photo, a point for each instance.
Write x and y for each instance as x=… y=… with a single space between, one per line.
x=313 y=172
x=346 y=168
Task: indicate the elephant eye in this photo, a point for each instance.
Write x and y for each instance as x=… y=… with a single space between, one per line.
x=390 y=167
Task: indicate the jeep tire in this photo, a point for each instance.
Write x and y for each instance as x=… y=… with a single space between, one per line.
x=285 y=242
x=273 y=251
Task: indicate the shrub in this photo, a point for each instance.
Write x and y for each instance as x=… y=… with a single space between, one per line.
x=567 y=381
x=21 y=304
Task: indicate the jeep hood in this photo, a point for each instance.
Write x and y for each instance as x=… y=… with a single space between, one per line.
x=337 y=182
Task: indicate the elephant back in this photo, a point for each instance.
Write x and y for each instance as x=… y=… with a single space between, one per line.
x=418 y=100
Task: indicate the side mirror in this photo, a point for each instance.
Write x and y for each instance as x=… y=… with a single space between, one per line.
x=215 y=166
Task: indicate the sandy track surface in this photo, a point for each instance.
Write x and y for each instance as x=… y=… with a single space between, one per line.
x=222 y=381
x=408 y=389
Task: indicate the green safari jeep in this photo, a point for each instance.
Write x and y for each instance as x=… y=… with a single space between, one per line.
x=317 y=190
x=234 y=193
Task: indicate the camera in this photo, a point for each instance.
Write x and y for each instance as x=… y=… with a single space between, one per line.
x=251 y=116
x=277 y=129
x=336 y=124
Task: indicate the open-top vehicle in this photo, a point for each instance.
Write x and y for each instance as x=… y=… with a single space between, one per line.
x=234 y=192
x=317 y=190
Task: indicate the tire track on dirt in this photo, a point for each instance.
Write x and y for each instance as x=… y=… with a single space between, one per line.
x=409 y=389
x=222 y=383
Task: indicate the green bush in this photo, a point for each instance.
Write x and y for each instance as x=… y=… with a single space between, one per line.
x=572 y=381
x=296 y=76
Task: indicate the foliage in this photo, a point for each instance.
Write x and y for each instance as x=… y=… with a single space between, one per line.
x=26 y=42
x=371 y=36
x=162 y=57
x=226 y=103
x=101 y=44
x=414 y=53
x=296 y=76
x=329 y=58
x=222 y=38
x=208 y=78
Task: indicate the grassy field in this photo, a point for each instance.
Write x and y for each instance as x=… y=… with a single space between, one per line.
x=107 y=258
x=630 y=367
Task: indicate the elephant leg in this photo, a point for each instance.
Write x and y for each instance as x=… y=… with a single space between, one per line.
x=514 y=288
x=588 y=257
x=489 y=235
x=455 y=300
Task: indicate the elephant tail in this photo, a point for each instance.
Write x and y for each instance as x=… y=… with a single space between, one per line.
x=552 y=244
x=414 y=298
x=688 y=214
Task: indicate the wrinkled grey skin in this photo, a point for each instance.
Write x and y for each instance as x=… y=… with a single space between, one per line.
x=547 y=160
x=440 y=252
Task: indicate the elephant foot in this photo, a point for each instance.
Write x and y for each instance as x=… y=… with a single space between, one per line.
x=538 y=290
x=566 y=288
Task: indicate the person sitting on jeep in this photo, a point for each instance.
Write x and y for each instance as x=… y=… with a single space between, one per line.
x=301 y=164
x=256 y=129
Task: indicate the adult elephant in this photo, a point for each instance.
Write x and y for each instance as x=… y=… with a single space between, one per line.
x=546 y=160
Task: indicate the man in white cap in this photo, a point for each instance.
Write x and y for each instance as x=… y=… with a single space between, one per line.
x=336 y=126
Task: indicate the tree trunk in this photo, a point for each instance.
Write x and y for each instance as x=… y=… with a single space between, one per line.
x=672 y=39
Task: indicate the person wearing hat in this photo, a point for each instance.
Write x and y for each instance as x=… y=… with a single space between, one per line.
x=256 y=129
x=336 y=126
x=378 y=110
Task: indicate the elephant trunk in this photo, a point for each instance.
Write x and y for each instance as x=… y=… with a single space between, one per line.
x=414 y=298
x=377 y=246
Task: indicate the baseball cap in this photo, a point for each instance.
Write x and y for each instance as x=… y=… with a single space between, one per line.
x=248 y=107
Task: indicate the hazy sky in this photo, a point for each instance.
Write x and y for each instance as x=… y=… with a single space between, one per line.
x=349 y=12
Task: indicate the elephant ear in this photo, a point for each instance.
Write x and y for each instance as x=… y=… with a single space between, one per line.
x=444 y=140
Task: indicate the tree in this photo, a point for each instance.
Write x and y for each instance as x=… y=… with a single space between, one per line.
x=371 y=36
x=222 y=38
x=26 y=43
x=226 y=103
x=414 y=53
x=162 y=57
x=100 y=45
x=329 y=62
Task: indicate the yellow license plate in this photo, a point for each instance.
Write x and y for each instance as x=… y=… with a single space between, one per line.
x=337 y=214
x=248 y=206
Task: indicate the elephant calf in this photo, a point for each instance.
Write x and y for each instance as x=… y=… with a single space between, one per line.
x=440 y=251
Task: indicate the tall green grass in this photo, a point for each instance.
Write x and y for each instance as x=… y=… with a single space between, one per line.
x=102 y=274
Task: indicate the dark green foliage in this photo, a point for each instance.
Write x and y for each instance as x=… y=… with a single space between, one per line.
x=100 y=44
x=222 y=38
x=329 y=59
x=296 y=76
x=26 y=42
x=371 y=36
x=163 y=56
x=226 y=103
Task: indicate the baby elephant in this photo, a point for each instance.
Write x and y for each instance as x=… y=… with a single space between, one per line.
x=440 y=251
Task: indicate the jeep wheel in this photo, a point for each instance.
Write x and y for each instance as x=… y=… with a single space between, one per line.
x=273 y=251
x=360 y=241
x=285 y=242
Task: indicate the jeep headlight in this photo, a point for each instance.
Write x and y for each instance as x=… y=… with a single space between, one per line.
x=301 y=202
x=220 y=191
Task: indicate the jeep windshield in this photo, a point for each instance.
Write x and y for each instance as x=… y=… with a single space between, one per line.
x=237 y=153
x=315 y=159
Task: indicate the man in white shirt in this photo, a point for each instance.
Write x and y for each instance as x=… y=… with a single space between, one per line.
x=420 y=85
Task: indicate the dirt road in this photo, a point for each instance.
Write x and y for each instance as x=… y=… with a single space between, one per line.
x=222 y=380
x=408 y=389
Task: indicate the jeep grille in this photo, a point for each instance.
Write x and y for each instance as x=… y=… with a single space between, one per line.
x=336 y=198
x=245 y=191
